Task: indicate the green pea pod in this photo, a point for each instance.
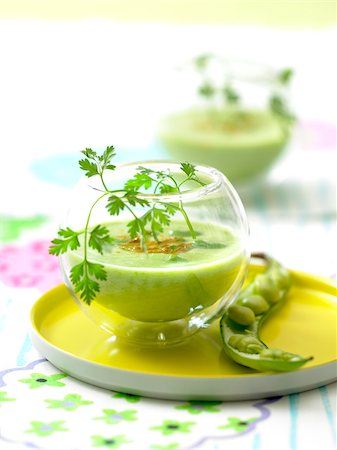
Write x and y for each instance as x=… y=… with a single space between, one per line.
x=240 y=325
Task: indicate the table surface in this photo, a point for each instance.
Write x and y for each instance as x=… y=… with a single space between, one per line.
x=66 y=86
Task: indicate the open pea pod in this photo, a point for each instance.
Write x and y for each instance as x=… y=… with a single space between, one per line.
x=241 y=322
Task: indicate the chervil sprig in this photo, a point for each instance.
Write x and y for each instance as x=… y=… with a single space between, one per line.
x=215 y=92
x=160 y=212
x=190 y=170
x=86 y=276
x=277 y=102
x=95 y=164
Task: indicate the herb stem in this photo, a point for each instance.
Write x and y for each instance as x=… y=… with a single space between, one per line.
x=192 y=179
x=114 y=191
x=187 y=220
x=158 y=184
x=182 y=210
x=104 y=185
x=134 y=215
x=85 y=251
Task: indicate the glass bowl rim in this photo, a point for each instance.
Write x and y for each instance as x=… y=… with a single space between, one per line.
x=218 y=179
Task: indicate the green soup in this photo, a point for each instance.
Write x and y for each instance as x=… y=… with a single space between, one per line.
x=180 y=278
x=240 y=144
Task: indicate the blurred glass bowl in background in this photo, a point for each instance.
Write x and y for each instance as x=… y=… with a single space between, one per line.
x=240 y=123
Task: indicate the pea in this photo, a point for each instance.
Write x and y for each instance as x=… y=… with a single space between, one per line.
x=234 y=340
x=245 y=343
x=265 y=287
x=287 y=356
x=254 y=348
x=266 y=353
x=258 y=297
x=277 y=353
x=281 y=278
x=241 y=314
x=256 y=303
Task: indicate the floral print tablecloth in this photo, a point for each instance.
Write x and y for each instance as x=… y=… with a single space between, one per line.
x=65 y=413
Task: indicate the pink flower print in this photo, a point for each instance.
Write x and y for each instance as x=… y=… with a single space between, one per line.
x=318 y=135
x=29 y=266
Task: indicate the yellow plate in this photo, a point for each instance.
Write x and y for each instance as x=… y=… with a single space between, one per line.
x=198 y=369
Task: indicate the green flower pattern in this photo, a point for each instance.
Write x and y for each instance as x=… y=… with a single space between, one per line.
x=200 y=407
x=111 y=416
x=69 y=403
x=109 y=442
x=12 y=227
x=169 y=427
x=237 y=424
x=37 y=380
x=4 y=398
x=145 y=423
x=44 y=429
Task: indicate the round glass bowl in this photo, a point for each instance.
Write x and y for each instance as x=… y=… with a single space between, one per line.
x=174 y=274
x=242 y=138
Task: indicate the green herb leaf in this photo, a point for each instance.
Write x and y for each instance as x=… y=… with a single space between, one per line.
x=97 y=270
x=185 y=233
x=285 y=76
x=76 y=273
x=83 y=277
x=87 y=289
x=135 y=228
x=138 y=181
x=210 y=245
x=278 y=106
x=96 y=164
x=161 y=215
x=166 y=188
x=156 y=175
x=159 y=219
x=70 y=241
x=171 y=208
x=231 y=96
x=131 y=197
x=188 y=169
x=115 y=205
x=176 y=259
x=206 y=90
x=99 y=237
x=202 y=61
x=146 y=217
x=105 y=159
x=89 y=167
x=156 y=228
x=89 y=153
